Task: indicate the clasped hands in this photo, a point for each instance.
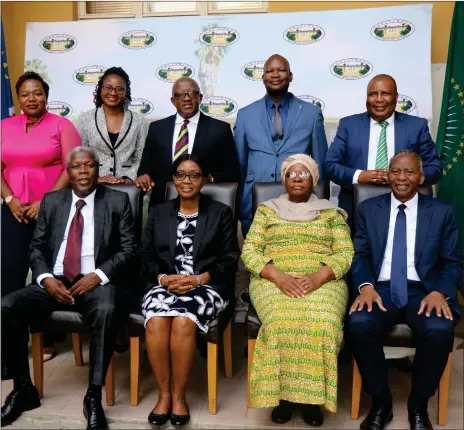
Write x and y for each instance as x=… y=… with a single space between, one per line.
x=24 y=213
x=297 y=286
x=83 y=286
x=179 y=284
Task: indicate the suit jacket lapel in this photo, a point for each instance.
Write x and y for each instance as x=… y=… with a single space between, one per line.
x=98 y=219
x=62 y=217
x=200 y=228
x=172 y=228
x=167 y=138
x=400 y=133
x=264 y=119
x=365 y=132
x=126 y=123
x=295 y=108
x=382 y=226
x=101 y=124
x=424 y=218
x=200 y=135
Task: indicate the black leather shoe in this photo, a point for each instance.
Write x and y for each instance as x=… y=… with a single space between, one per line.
x=419 y=419
x=283 y=413
x=180 y=420
x=19 y=401
x=93 y=413
x=377 y=418
x=312 y=415
x=158 y=419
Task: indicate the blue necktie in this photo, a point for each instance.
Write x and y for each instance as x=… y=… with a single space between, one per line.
x=399 y=267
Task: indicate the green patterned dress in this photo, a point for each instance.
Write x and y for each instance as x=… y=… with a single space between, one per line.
x=295 y=356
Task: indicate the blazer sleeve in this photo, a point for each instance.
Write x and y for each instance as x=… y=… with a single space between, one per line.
x=241 y=144
x=150 y=262
x=319 y=142
x=227 y=167
x=81 y=127
x=428 y=152
x=139 y=147
x=147 y=153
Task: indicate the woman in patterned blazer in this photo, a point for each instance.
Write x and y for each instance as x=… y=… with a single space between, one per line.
x=112 y=130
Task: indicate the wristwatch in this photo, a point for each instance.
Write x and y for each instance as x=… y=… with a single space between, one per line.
x=8 y=199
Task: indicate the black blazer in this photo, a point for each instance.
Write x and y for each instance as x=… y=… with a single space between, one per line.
x=215 y=246
x=213 y=142
x=115 y=246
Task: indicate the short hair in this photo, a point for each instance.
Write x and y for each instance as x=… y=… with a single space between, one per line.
x=411 y=154
x=77 y=149
x=119 y=71
x=27 y=76
x=383 y=75
x=190 y=157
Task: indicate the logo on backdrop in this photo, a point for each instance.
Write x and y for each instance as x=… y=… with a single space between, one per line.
x=394 y=29
x=137 y=39
x=314 y=100
x=304 y=34
x=170 y=72
x=142 y=106
x=253 y=71
x=351 y=68
x=219 y=36
x=405 y=104
x=60 y=108
x=88 y=75
x=218 y=107
x=58 y=43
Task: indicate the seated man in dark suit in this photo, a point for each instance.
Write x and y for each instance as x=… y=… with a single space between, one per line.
x=406 y=269
x=82 y=249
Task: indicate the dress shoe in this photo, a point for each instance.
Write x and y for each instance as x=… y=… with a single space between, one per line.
x=377 y=418
x=18 y=401
x=312 y=415
x=158 y=419
x=283 y=413
x=93 y=413
x=419 y=419
x=180 y=420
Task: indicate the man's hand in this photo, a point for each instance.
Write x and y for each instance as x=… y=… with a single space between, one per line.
x=109 y=179
x=377 y=176
x=366 y=298
x=56 y=289
x=144 y=182
x=310 y=282
x=435 y=301
x=290 y=286
x=32 y=212
x=85 y=285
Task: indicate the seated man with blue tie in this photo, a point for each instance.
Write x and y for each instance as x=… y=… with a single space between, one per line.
x=407 y=268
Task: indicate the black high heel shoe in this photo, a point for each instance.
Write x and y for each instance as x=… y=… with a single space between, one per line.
x=158 y=419
x=180 y=420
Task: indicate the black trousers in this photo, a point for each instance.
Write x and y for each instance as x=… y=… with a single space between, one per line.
x=102 y=309
x=433 y=340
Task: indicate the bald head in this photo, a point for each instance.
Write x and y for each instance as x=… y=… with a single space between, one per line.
x=186 y=97
x=277 y=76
x=180 y=83
x=382 y=77
x=278 y=57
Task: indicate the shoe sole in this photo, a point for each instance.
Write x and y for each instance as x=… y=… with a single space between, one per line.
x=30 y=408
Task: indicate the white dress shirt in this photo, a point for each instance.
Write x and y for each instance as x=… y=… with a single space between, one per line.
x=192 y=130
x=87 y=253
x=374 y=137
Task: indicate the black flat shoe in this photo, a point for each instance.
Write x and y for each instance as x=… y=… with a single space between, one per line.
x=419 y=419
x=94 y=414
x=19 y=401
x=312 y=415
x=158 y=419
x=377 y=418
x=180 y=420
x=283 y=413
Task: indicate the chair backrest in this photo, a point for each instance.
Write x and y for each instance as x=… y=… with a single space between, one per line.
x=224 y=192
x=263 y=191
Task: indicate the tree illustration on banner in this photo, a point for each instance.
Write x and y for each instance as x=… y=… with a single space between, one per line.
x=36 y=65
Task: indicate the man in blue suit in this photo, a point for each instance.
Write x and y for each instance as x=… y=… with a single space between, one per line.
x=407 y=268
x=365 y=142
x=270 y=129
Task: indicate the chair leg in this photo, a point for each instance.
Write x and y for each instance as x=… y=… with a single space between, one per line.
x=356 y=392
x=227 y=344
x=109 y=383
x=443 y=392
x=251 y=350
x=212 y=377
x=134 y=370
x=37 y=361
x=77 y=348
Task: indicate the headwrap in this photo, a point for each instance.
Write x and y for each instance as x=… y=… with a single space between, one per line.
x=303 y=159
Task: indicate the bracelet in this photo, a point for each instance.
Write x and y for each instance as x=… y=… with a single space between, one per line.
x=161 y=277
x=198 y=280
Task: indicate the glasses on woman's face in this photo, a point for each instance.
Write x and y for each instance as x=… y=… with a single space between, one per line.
x=191 y=94
x=108 y=89
x=181 y=176
x=301 y=175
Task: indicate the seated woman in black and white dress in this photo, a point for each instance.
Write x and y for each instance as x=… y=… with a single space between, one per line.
x=189 y=255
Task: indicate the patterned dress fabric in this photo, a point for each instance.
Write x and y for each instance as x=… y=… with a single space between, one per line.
x=295 y=356
x=202 y=304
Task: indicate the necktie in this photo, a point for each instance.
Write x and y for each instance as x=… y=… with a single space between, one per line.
x=399 y=267
x=72 y=255
x=381 y=160
x=182 y=142
x=277 y=119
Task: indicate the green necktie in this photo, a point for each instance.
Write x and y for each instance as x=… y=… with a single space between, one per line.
x=381 y=161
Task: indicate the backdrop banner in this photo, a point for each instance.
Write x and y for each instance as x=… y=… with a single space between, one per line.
x=333 y=55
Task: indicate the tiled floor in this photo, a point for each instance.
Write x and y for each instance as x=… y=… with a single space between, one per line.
x=65 y=386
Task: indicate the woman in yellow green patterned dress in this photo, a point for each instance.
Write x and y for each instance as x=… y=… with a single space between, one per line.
x=298 y=251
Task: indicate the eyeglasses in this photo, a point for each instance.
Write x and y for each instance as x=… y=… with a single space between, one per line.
x=194 y=177
x=191 y=94
x=302 y=175
x=108 y=89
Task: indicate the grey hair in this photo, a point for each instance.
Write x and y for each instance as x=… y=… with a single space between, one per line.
x=81 y=149
x=411 y=154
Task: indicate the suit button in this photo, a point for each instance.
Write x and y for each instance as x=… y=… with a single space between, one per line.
x=112 y=156
x=111 y=169
x=272 y=175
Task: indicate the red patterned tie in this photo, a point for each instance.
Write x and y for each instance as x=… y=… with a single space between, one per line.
x=72 y=255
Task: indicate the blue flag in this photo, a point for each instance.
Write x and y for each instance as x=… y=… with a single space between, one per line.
x=7 y=99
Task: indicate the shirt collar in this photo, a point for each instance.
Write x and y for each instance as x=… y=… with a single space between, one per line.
x=89 y=200
x=389 y=120
x=410 y=204
x=28 y=121
x=194 y=120
x=283 y=103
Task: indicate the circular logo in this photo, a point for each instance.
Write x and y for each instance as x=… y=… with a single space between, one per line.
x=88 y=75
x=394 y=29
x=304 y=34
x=218 y=106
x=172 y=71
x=142 y=106
x=253 y=71
x=313 y=100
x=58 y=43
x=60 y=108
x=137 y=39
x=351 y=68
x=219 y=36
x=405 y=104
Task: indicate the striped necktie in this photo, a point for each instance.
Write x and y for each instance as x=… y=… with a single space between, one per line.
x=381 y=161
x=182 y=141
